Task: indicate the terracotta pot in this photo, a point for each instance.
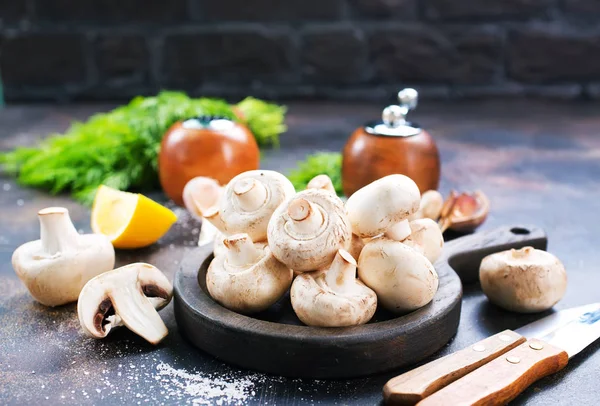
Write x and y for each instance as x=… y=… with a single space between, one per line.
x=216 y=148
x=392 y=145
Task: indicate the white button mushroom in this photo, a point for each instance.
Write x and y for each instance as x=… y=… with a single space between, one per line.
x=130 y=296
x=403 y=278
x=55 y=267
x=430 y=207
x=384 y=206
x=248 y=278
x=426 y=237
x=322 y=182
x=526 y=280
x=333 y=297
x=306 y=231
x=199 y=195
x=248 y=202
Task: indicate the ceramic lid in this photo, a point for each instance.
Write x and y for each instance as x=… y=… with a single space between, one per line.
x=393 y=123
x=208 y=122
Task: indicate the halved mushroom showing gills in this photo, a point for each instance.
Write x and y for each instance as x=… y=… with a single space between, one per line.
x=130 y=296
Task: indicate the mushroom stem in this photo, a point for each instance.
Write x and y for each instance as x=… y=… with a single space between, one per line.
x=341 y=276
x=306 y=217
x=241 y=250
x=250 y=193
x=208 y=233
x=57 y=232
x=138 y=313
x=399 y=231
x=214 y=216
x=522 y=253
x=321 y=182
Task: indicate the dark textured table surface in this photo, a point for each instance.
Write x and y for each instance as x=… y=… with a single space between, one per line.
x=538 y=163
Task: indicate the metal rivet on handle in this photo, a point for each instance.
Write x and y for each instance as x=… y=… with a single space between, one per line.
x=505 y=337
x=513 y=360
x=536 y=345
x=479 y=347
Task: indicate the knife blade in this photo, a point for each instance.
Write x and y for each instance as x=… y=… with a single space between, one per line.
x=505 y=377
x=413 y=386
x=546 y=325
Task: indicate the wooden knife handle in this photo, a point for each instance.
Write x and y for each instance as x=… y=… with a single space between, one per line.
x=501 y=380
x=412 y=386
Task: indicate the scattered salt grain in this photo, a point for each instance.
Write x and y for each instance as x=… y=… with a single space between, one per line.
x=204 y=388
x=6 y=187
x=20 y=202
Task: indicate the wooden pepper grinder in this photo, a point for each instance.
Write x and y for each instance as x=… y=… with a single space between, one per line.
x=391 y=146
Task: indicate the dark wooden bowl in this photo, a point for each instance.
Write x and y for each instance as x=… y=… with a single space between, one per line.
x=368 y=157
x=276 y=342
x=187 y=152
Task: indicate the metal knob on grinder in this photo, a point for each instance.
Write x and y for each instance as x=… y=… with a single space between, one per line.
x=391 y=145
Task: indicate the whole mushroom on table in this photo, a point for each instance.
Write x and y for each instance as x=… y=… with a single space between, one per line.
x=57 y=266
x=274 y=233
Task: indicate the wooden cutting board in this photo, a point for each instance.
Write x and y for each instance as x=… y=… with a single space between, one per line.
x=276 y=342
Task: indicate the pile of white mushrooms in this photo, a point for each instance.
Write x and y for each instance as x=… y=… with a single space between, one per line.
x=64 y=266
x=345 y=257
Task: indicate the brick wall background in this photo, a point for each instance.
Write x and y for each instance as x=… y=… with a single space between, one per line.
x=339 y=49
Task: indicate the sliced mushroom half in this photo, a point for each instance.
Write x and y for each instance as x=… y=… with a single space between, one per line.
x=130 y=296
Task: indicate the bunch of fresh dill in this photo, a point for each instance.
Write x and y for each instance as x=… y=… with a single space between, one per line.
x=120 y=148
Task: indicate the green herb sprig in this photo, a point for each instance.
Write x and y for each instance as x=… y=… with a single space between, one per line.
x=328 y=163
x=120 y=148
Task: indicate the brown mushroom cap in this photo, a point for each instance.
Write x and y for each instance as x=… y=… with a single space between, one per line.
x=306 y=231
x=526 y=280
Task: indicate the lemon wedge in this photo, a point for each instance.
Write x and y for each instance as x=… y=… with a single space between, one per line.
x=129 y=220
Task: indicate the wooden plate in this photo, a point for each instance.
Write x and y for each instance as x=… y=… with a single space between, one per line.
x=276 y=342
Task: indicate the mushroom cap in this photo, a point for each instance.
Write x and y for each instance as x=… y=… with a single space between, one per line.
x=322 y=181
x=251 y=288
x=130 y=295
x=403 y=278
x=375 y=208
x=58 y=279
x=316 y=303
x=200 y=194
x=427 y=238
x=235 y=216
x=312 y=247
x=430 y=207
x=526 y=280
